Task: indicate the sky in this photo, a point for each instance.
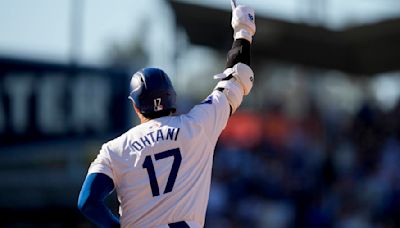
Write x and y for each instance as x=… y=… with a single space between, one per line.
x=41 y=29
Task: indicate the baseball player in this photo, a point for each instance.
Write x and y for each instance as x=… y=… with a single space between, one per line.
x=161 y=169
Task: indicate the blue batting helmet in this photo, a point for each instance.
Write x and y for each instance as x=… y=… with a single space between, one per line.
x=152 y=91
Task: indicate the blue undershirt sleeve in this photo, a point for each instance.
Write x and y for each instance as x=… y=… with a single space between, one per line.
x=96 y=187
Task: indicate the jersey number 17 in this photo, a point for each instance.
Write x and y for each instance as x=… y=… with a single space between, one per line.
x=148 y=165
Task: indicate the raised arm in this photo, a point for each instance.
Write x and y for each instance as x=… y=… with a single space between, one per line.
x=244 y=28
x=235 y=82
x=237 y=79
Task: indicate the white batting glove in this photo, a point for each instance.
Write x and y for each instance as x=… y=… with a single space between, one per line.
x=243 y=23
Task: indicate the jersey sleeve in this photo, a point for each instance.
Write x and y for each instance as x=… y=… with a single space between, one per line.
x=102 y=163
x=211 y=115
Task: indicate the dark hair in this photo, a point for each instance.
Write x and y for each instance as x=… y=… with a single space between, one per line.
x=155 y=115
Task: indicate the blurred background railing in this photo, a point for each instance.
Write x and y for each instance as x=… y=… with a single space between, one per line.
x=316 y=144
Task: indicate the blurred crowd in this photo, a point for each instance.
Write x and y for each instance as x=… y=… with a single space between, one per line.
x=318 y=171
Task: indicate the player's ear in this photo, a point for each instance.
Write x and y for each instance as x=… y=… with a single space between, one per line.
x=139 y=114
x=135 y=108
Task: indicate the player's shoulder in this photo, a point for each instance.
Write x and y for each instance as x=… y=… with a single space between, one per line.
x=120 y=143
x=211 y=105
x=216 y=99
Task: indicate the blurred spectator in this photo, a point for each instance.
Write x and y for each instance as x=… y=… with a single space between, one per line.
x=273 y=171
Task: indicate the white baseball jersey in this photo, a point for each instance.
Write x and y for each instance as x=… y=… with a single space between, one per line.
x=162 y=168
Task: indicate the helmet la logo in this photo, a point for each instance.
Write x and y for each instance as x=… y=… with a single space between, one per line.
x=157 y=105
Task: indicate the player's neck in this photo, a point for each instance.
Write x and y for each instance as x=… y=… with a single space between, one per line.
x=143 y=119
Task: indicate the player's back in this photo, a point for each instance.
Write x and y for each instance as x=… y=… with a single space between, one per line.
x=162 y=168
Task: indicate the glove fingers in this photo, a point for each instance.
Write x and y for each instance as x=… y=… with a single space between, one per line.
x=233 y=5
x=243 y=22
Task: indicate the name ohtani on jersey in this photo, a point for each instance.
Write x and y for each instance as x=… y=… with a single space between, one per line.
x=153 y=137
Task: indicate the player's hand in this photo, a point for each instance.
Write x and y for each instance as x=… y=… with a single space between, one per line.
x=243 y=22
